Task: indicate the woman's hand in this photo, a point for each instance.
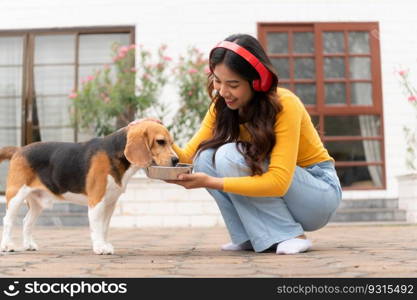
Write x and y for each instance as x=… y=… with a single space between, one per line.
x=198 y=180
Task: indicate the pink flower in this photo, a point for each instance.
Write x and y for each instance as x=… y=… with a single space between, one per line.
x=412 y=98
x=167 y=58
x=133 y=46
x=403 y=72
x=116 y=58
x=192 y=71
x=200 y=62
x=106 y=100
x=207 y=70
x=123 y=50
x=73 y=95
x=87 y=79
x=190 y=93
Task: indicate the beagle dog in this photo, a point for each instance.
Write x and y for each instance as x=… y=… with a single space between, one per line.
x=93 y=173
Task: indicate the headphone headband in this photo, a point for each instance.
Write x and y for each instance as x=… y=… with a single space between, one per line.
x=264 y=83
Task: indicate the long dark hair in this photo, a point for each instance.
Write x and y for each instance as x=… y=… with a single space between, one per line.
x=259 y=114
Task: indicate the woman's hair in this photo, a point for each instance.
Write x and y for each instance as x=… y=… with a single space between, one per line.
x=259 y=114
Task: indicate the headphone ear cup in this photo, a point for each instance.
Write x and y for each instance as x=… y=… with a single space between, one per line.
x=256 y=84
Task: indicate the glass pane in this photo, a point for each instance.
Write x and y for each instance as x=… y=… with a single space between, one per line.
x=303 y=42
x=54 y=80
x=282 y=66
x=360 y=176
x=359 y=42
x=306 y=92
x=10 y=81
x=96 y=48
x=11 y=50
x=334 y=67
x=54 y=49
x=11 y=57
x=9 y=137
x=57 y=134
x=335 y=93
x=10 y=112
x=333 y=42
x=361 y=93
x=4 y=167
x=315 y=120
x=304 y=68
x=10 y=115
x=285 y=86
x=360 y=67
x=364 y=125
x=369 y=151
x=85 y=134
x=277 y=42
x=53 y=111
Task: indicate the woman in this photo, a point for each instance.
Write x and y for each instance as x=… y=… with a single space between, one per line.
x=259 y=155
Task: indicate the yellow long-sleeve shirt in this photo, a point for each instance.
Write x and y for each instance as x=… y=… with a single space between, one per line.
x=297 y=144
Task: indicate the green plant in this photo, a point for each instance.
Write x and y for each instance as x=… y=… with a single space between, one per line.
x=410 y=133
x=107 y=101
x=191 y=77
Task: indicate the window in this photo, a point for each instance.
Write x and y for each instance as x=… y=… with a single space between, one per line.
x=38 y=70
x=335 y=70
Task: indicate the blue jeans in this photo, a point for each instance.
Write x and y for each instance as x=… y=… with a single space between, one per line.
x=308 y=205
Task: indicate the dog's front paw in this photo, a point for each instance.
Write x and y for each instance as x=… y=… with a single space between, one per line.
x=7 y=247
x=30 y=245
x=103 y=248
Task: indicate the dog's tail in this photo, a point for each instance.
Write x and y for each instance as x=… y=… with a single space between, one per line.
x=7 y=152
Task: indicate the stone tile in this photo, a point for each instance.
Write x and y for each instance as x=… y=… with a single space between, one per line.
x=52 y=270
x=339 y=251
x=216 y=272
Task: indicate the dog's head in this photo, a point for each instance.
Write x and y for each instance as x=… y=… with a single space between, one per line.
x=148 y=143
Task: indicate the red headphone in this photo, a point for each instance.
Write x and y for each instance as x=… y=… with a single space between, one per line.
x=264 y=83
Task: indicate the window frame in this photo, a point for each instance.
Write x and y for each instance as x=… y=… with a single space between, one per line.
x=28 y=66
x=27 y=90
x=320 y=110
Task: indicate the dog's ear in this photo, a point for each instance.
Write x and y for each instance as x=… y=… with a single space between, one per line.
x=137 y=150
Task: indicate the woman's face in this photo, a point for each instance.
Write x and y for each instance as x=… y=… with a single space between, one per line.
x=235 y=90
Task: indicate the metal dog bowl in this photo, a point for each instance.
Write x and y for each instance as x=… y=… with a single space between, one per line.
x=168 y=173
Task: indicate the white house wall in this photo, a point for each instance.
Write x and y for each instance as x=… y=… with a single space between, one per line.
x=184 y=23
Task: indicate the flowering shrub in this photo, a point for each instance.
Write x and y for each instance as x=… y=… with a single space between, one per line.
x=410 y=133
x=191 y=78
x=107 y=101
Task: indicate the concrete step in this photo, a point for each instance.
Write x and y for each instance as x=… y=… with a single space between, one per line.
x=362 y=210
x=61 y=214
x=368 y=203
x=369 y=210
x=369 y=215
x=57 y=207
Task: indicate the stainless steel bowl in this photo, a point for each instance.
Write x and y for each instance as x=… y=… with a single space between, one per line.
x=168 y=173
